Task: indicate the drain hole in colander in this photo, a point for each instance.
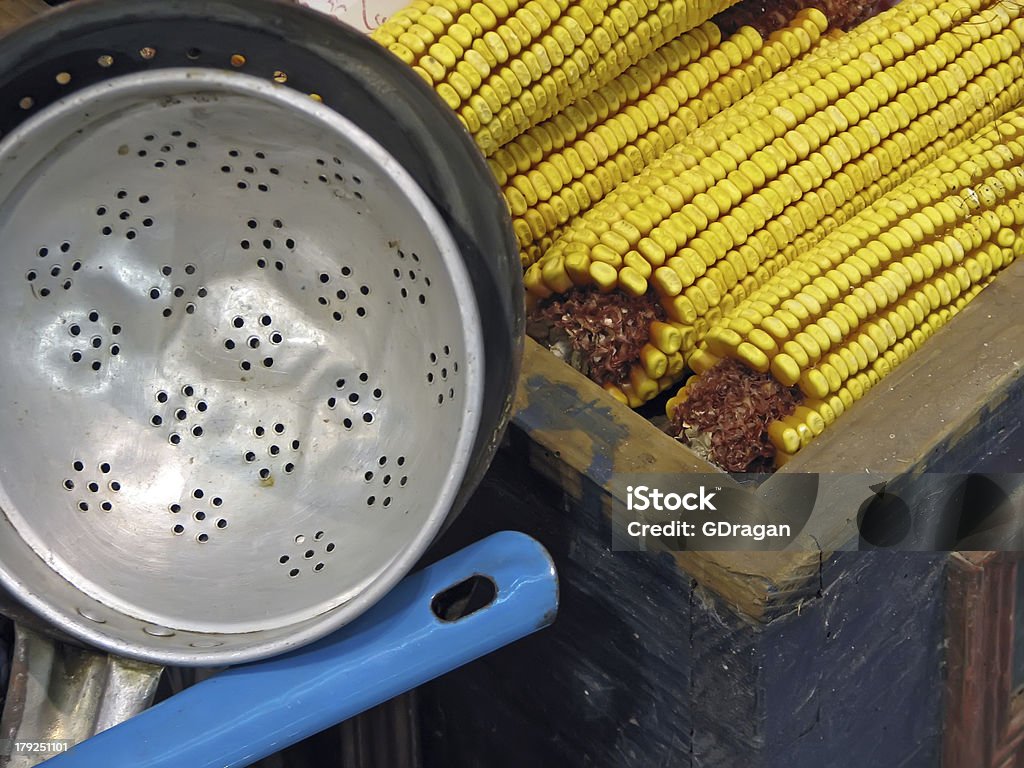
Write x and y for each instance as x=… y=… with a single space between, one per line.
x=92 y=486
x=273 y=452
x=42 y=289
x=307 y=553
x=186 y=408
x=202 y=519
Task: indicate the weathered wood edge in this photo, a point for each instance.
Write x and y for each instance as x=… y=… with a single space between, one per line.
x=581 y=435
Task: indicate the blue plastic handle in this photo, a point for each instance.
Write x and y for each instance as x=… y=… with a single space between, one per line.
x=252 y=711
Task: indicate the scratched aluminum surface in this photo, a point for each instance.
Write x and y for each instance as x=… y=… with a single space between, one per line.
x=218 y=342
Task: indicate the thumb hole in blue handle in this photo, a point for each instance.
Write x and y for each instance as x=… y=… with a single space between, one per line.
x=464 y=599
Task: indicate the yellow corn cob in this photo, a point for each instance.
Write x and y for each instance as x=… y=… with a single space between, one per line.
x=841 y=316
x=560 y=169
x=505 y=65
x=832 y=135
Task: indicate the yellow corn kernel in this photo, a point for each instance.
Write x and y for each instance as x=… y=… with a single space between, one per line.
x=784 y=437
x=616 y=392
x=604 y=276
x=654 y=361
x=702 y=361
x=814 y=384
x=534 y=281
x=666 y=337
x=555 y=275
x=632 y=282
x=811 y=418
x=645 y=387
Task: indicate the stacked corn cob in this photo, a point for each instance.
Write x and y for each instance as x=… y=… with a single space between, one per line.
x=842 y=315
x=560 y=168
x=505 y=66
x=738 y=199
x=767 y=178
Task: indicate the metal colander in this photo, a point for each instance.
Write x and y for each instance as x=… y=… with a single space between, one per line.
x=245 y=345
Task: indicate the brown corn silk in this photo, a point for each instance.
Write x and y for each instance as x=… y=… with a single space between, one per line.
x=735 y=405
x=607 y=330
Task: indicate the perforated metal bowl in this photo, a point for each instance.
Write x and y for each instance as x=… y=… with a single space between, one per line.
x=245 y=341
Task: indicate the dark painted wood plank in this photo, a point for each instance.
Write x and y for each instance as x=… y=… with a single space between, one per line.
x=607 y=685
x=854 y=677
x=645 y=668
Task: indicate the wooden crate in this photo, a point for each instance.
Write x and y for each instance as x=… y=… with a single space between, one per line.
x=820 y=656
x=952 y=407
